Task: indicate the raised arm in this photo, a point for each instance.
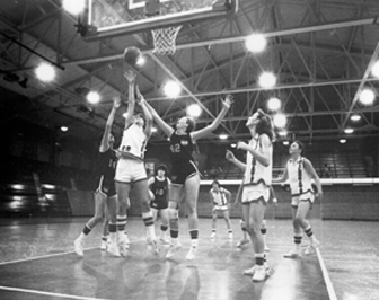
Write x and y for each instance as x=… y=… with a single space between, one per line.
x=212 y=127
x=130 y=76
x=311 y=171
x=146 y=112
x=230 y=157
x=167 y=129
x=108 y=126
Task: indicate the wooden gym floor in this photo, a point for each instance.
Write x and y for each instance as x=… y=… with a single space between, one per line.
x=37 y=262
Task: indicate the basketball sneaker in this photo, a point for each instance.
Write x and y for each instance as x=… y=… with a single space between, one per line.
x=230 y=235
x=78 y=246
x=191 y=253
x=251 y=271
x=294 y=253
x=114 y=249
x=267 y=249
x=312 y=247
x=127 y=242
x=260 y=273
x=213 y=235
x=104 y=244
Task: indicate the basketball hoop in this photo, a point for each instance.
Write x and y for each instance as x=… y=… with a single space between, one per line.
x=164 y=40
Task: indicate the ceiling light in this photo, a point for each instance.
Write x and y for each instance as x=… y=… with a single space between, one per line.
x=74 y=7
x=45 y=72
x=255 y=43
x=342 y=141
x=274 y=103
x=355 y=118
x=93 y=97
x=223 y=137
x=279 y=120
x=172 y=89
x=375 y=69
x=194 y=110
x=348 y=130
x=367 y=96
x=267 y=80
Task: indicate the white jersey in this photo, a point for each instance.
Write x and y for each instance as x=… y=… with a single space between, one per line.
x=299 y=179
x=133 y=141
x=219 y=198
x=255 y=172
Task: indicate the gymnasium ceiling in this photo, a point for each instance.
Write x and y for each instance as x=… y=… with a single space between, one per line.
x=320 y=51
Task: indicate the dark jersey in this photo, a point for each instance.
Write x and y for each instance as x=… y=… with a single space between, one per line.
x=106 y=165
x=160 y=189
x=181 y=148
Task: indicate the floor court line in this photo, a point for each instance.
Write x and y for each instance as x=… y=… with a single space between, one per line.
x=329 y=285
x=58 y=295
x=41 y=256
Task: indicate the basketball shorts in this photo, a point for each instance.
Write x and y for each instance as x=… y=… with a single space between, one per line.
x=179 y=174
x=130 y=170
x=160 y=204
x=296 y=199
x=255 y=193
x=106 y=187
x=220 y=208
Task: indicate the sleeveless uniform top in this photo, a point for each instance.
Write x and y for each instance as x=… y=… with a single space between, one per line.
x=299 y=179
x=160 y=189
x=219 y=198
x=255 y=172
x=181 y=148
x=134 y=141
x=106 y=166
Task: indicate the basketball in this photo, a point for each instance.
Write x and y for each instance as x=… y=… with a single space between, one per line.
x=132 y=55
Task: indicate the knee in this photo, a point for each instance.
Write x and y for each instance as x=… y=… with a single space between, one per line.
x=173 y=213
x=299 y=221
x=191 y=209
x=98 y=218
x=253 y=228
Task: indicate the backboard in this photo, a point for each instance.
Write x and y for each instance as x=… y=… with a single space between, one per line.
x=109 y=18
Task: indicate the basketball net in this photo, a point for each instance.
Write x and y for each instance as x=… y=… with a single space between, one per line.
x=164 y=40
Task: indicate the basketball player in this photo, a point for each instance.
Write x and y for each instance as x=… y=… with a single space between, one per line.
x=256 y=183
x=184 y=174
x=300 y=171
x=130 y=167
x=220 y=197
x=245 y=239
x=158 y=190
x=105 y=194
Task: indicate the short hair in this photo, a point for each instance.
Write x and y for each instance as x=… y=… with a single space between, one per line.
x=264 y=125
x=161 y=167
x=216 y=182
x=190 y=125
x=301 y=145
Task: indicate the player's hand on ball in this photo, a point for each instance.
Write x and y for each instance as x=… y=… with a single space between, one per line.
x=241 y=145
x=129 y=75
x=227 y=102
x=229 y=155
